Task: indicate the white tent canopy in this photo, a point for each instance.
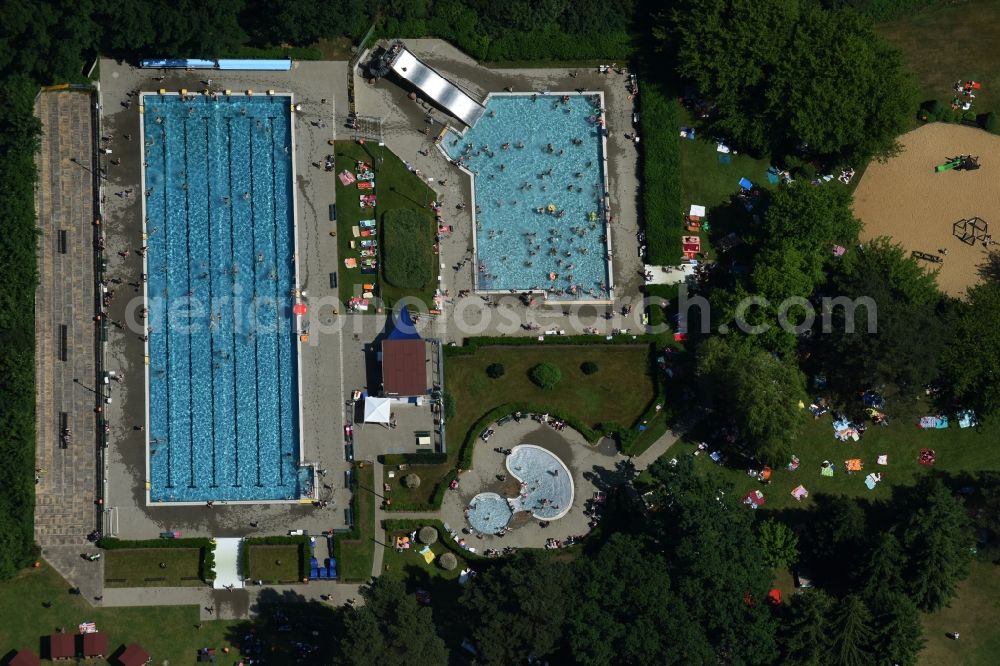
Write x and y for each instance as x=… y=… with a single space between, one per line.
x=377 y=410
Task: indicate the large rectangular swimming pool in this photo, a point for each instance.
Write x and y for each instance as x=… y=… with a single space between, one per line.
x=542 y=218
x=223 y=383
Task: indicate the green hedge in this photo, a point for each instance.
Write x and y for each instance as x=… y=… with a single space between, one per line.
x=393 y=526
x=19 y=132
x=472 y=345
x=301 y=541
x=205 y=546
x=497 y=413
x=661 y=178
x=426 y=458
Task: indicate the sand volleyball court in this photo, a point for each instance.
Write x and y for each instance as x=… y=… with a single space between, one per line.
x=905 y=199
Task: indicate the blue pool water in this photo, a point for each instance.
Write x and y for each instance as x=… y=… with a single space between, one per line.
x=488 y=512
x=559 y=168
x=223 y=385
x=546 y=483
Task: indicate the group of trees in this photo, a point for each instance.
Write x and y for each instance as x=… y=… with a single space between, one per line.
x=790 y=78
x=689 y=584
x=873 y=317
x=872 y=588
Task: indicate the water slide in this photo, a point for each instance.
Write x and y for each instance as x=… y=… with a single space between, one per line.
x=435 y=87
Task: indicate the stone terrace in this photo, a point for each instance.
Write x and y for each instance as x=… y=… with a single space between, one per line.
x=66 y=371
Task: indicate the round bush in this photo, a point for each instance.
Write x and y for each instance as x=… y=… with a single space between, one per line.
x=448 y=561
x=588 y=367
x=545 y=375
x=495 y=370
x=427 y=535
x=411 y=481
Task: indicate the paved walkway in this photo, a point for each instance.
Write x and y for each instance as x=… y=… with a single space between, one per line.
x=226 y=605
x=65 y=510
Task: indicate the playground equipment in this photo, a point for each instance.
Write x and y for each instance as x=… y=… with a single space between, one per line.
x=971 y=230
x=933 y=258
x=960 y=163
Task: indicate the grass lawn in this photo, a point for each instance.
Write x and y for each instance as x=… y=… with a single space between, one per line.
x=141 y=567
x=168 y=632
x=410 y=563
x=408 y=258
x=973 y=614
x=354 y=556
x=707 y=182
x=594 y=399
x=950 y=41
x=264 y=564
x=396 y=188
x=957 y=451
x=410 y=568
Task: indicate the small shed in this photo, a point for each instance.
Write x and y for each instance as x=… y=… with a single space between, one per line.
x=62 y=646
x=134 y=655
x=25 y=658
x=94 y=644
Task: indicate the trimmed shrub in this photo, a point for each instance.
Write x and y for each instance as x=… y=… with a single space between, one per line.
x=448 y=561
x=930 y=110
x=588 y=367
x=988 y=121
x=411 y=481
x=427 y=535
x=449 y=405
x=495 y=370
x=545 y=375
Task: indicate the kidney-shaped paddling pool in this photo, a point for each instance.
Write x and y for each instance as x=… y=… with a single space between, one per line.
x=546 y=491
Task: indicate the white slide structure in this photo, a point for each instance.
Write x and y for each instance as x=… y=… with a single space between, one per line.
x=435 y=87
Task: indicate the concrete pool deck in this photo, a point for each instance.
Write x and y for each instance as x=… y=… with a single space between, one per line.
x=322 y=361
x=65 y=395
x=593 y=467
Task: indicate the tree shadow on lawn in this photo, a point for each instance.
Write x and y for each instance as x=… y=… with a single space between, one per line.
x=283 y=620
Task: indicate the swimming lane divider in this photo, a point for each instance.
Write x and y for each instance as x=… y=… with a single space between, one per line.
x=277 y=303
x=232 y=253
x=187 y=254
x=166 y=327
x=211 y=328
x=256 y=351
